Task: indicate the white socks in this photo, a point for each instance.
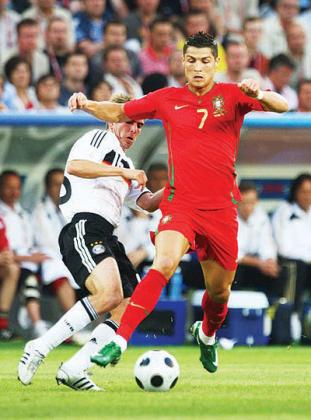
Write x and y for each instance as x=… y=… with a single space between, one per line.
x=209 y=341
x=102 y=334
x=80 y=315
x=121 y=342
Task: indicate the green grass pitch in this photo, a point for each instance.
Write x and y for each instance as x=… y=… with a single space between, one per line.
x=251 y=383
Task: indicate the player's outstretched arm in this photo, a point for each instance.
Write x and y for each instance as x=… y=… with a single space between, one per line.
x=150 y=201
x=90 y=170
x=107 y=111
x=271 y=101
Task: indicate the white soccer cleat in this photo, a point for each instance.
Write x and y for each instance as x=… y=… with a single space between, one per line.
x=79 y=381
x=29 y=363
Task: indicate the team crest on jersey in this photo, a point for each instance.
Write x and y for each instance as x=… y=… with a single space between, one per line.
x=166 y=219
x=98 y=248
x=218 y=106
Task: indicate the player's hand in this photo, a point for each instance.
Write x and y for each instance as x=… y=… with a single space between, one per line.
x=250 y=87
x=77 y=101
x=137 y=175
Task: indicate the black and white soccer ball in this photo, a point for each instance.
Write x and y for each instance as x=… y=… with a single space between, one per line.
x=156 y=370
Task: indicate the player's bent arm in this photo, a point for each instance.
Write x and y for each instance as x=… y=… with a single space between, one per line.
x=272 y=101
x=150 y=201
x=90 y=170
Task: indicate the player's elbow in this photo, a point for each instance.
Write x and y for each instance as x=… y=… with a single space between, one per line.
x=71 y=168
x=283 y=107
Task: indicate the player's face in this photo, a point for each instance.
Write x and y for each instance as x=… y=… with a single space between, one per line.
x=200 y=66
x=127 y=132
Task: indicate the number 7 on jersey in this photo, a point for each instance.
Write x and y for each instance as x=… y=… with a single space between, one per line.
x=204 y=111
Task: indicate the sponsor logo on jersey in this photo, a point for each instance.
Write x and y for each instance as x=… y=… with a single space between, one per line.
x=166 y=219
x=218 y=106
x=98 y=249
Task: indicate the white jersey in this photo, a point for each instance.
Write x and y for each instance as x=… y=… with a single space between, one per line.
x=104 y=196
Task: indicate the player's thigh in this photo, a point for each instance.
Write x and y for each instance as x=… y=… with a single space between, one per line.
x=217 y=279
x=116 y=314
x=170 y=247
x=104 y=277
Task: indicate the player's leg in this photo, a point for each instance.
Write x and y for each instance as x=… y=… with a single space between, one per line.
x=104 y=282
x=170 y=247
x=218 y=282
x=73 y=372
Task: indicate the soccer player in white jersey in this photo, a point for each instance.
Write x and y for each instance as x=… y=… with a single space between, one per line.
x=98 y=179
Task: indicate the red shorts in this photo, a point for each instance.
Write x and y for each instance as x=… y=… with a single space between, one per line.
x=211 y=233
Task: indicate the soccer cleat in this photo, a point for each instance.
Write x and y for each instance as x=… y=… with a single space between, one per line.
x=29 y=363
x=209 y=356
x=111 y=353
x=79 y=381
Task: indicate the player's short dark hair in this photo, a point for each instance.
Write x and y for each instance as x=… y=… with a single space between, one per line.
x=296 y=184
x=157 y=166
x=281 y=60
x=49 y=175
x=246 y=186
x=201 y=40
x=301 y=83
x=5 y=174
x=153 y=81
x=25 y=22
x=120 y=98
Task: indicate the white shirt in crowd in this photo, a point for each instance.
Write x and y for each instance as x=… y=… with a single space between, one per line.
x=19 y=232
x=255 y=236
x=104 y=196
x=48 y=221
x=292 y=232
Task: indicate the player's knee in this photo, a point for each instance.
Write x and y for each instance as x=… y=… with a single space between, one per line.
x=220 y=295
x=166 y=265
x=112 y=296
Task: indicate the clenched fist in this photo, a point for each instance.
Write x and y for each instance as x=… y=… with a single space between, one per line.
x=77 y=101
x=250 y=87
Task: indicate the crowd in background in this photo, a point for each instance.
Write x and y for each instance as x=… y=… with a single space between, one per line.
x=50 y=49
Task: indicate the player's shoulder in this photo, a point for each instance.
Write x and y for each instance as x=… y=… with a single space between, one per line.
x=166 y=91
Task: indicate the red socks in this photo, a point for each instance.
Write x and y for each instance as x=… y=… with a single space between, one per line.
x=143 y=301
x=214 y=315
x=4 y=320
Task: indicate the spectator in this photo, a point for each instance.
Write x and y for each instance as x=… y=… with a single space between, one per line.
x=209 y=8
x=153 y=81
x=8 y=34
x=2 y=104
x=299 y=50
x=304 y=95
x=273 y=41
x=102 y=91
x=90 y=25
x=48 y=222
x=115 y=33
x=116 y=65
x=252 y=32
x=27 y=48
x=154 y=57
x=57 y=45
x=280 y=72
x=9 y=275
x=138 y=21
x=75 y=72
x=18 y=94
x=176 y=76
x=234 y=12
x=292 y=227
x=48 y=93
x=257 y=254
x=21 y=242
x=42 y=11
x=237 y=64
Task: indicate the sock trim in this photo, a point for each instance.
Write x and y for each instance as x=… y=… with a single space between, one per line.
x=89 y=309
x=112 y=324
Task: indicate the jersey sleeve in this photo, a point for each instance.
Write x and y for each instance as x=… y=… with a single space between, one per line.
x=246 y=103
x=133 y=195
x=147 y=107
x=89 y=146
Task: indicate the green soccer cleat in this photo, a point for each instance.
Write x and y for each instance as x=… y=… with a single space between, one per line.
x=111 y=353
x=209 y=356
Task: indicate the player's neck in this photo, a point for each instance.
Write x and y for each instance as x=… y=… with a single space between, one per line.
x=201 y=91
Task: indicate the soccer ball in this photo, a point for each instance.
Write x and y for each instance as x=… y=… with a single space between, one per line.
x=156 y=370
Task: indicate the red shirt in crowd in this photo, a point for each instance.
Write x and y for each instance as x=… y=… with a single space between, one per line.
x=4 y=244
x=203 y=135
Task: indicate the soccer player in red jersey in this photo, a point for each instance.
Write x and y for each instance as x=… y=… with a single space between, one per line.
x=202 y=121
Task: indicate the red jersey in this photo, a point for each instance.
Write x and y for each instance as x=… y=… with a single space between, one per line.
x=4 y=244
x=203 y=135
